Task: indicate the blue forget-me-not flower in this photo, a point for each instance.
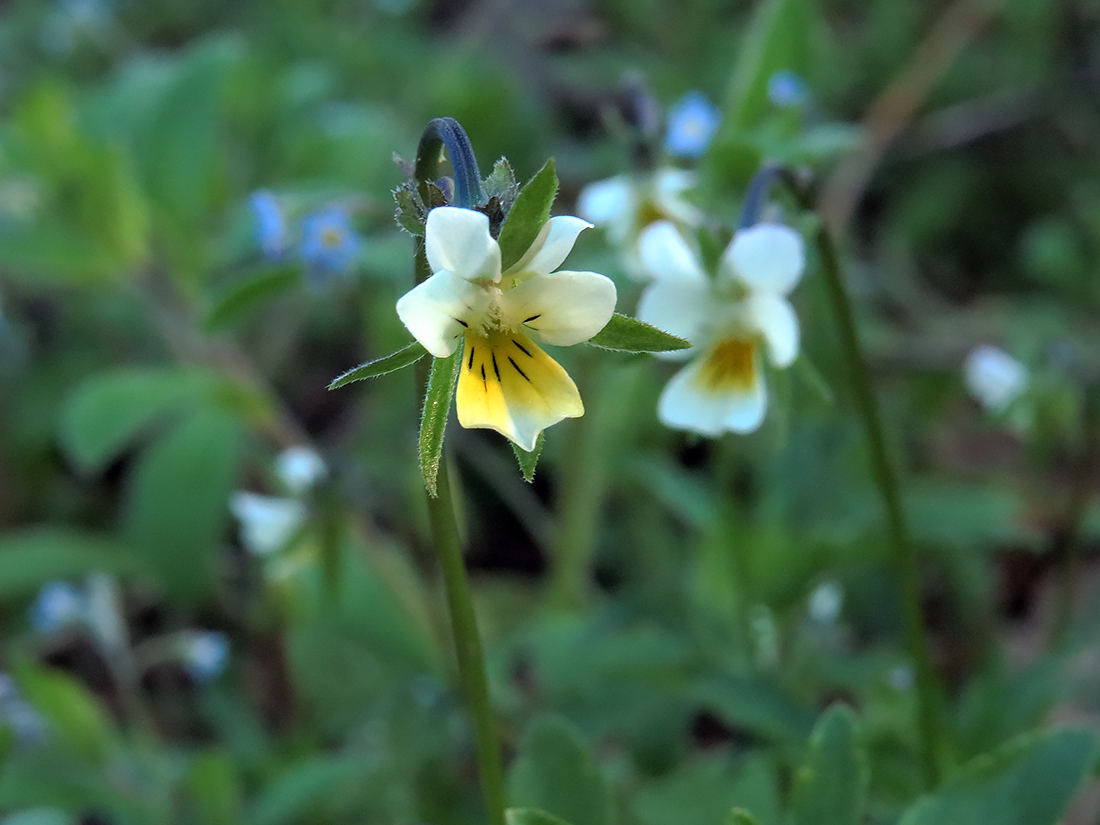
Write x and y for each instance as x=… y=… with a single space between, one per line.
x=787 y=90
x=328 y=241
x=270 y=227
x=57 y=606
x=692 y=123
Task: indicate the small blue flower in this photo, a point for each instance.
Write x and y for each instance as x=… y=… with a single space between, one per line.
x=205 y=654
x=57 y=606
x=328 y=242
x=787 y=90
x=270 y=226
x=692 y=122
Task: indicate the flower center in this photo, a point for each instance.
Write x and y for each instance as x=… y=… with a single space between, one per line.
x=731 y=365
x=331 y=237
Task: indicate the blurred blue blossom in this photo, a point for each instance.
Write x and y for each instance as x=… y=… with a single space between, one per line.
x=692 y=123
x=57 y=606
x=271 y=234
x=205 y=654
x=787 y=90
x=328 y=241
x=23 y=719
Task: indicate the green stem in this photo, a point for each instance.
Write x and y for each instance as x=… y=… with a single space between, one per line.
x=460 y=604
x=467 y=642
x=1067 y=543
x=905 y=557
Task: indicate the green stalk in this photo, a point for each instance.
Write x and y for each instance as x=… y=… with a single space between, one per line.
x=905 y=557
x=460 y=604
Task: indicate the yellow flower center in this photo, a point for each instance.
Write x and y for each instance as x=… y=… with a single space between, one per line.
x=731 y=365
x=331 y=237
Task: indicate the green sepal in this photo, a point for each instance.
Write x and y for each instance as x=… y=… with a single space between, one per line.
x=410 y=214
x=528 y=460
x=531 y=816
x=739 y=816
x=501 y=184
x=528 y=215
x=626 y=334
x=433 y=421
x=404 y=357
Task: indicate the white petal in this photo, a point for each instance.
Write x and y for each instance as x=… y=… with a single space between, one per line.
x=562 y=308
x=458 y=241
x=687 y=404
x=994 y=377
x=679 y=307
x=768 y=257
x=775 y=319
x=606 y=201
x=434 y=311
x=671 y=184
x=300 y=467
x=553 y=244
x=665 y=254
x=267 y=523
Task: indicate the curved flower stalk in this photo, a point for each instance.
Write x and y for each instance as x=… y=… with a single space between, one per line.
x=626 y=205
x=731 y=319
x=506 y=381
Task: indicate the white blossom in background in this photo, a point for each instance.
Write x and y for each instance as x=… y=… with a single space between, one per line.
x=825 y=602
x=901 y=678
x=267 y=522
x=731 y=320
x=205 y=654
x=994 y=377
x=506 y=382
x=625 y=205
x=57 y=606
x=299 y=468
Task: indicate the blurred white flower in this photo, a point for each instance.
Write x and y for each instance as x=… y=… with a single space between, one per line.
x=205 y=654
x=57 y=606
x=267 y=522
x=901 y=678
x=825 y=602
x=730 y=319
x=300 y=468
x=625 y=205
x=994 y=377
x=15 y=712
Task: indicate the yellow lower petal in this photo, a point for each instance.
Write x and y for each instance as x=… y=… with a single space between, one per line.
x=508 y=384
x=729 y=367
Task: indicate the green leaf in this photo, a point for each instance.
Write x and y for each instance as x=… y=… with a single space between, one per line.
x=528 y=215
x=501 y=184
x=531 y=816
x=178 y=149
x=215 y=785
x=69 y=708
x=112 y=408
x=39 y=816
x=1029 y=781
x=831 y=787
x=178 y=502
x=404 y=357
x=755 y=704
x=777 y=39
x=296 y=794
x=30 y=558
x=433 y=420
x=528 y=460
x=739 y=816
x=410 y=214
x=247 y=293
x=626 y=334
x=705 y=788
x=555 y=772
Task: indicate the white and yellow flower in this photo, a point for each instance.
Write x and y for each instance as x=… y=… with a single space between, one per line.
x=730 y=319
x=506 y=382
x=626 y=204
